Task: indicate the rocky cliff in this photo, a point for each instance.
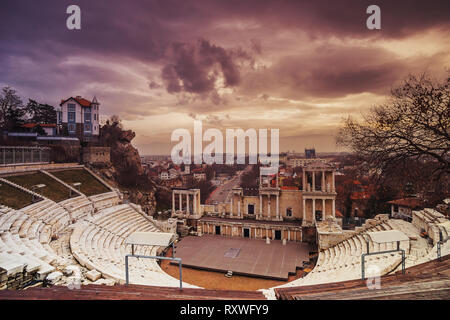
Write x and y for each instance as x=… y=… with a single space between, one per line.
x=125 y=170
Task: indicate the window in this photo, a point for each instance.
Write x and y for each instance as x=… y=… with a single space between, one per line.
x=87 y=115
x=95 y=117
x=72 y=127
x=71 y=112
x=289 y=212
x=87 y=127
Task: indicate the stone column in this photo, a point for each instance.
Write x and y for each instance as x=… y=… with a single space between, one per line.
x=268 y=205
x=314 y=209
x=278 y=211
x=323 y=209
x=313 y=181
x=304 y=209
x=173 y=202
x=181 y=202
x=260 y=206
x=231 y=209
x=305 y=180
x=323 y=181
x=239 y=207
x=194 y=203
x=187 y=204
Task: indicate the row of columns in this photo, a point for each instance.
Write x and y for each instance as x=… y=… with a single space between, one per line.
x=180 y=201
x=268 y=206
x=260 y=206
x=313 y=177
x=333 y=208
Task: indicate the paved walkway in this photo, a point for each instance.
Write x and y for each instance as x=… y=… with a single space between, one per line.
x=251 y=257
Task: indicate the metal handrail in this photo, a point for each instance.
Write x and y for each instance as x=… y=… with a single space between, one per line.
x=381 y=252
x=132 y=255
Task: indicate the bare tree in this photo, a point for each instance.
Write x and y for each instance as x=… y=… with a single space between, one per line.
x=413 y=125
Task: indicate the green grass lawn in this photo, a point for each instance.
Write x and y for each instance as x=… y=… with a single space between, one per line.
x=52 y=190
x=13 y=198
x=89 y=184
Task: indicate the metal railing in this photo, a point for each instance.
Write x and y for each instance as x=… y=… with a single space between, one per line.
x=23 y=155
x=132 y=255
x=363 y=256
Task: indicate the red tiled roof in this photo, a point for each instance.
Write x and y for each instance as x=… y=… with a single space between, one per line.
x=81 y=101
x=408 y=202
x=339 y=214
x=44 y=125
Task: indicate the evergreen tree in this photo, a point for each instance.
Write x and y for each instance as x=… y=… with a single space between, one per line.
x=41 y=113
x=11 y=109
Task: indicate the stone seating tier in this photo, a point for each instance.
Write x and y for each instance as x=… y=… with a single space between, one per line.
x=99 y=243
x=343 y=261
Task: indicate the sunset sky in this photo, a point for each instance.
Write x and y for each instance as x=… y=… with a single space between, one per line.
x=300 y=66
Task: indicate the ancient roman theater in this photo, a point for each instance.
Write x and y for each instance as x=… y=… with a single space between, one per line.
x=65 y=233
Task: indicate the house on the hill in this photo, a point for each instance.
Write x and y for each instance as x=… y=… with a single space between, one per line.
x=402 y=208
x=80 y=117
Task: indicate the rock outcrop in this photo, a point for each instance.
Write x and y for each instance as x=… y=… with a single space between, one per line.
x=125 y=171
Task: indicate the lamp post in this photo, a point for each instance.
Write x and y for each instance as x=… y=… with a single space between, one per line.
x=34 y=188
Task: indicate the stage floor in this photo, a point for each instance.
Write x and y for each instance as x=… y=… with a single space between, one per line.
x=251 y=257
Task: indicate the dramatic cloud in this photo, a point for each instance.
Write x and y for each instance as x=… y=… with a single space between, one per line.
x=296 y=65
x=201 y=68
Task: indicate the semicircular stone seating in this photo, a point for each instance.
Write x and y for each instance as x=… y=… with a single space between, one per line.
x=24 y=241
x=342 y=261
x=99 y=243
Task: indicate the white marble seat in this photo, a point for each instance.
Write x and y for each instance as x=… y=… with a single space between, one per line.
x=100 y=244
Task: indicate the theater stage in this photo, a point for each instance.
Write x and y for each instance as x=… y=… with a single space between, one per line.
x=250 y=257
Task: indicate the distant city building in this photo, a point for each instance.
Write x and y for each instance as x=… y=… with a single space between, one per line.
x=310 y=153
x=303 y=162
x=173 y=173
x=164 y=175
x=157 y=158
x=199 y=176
